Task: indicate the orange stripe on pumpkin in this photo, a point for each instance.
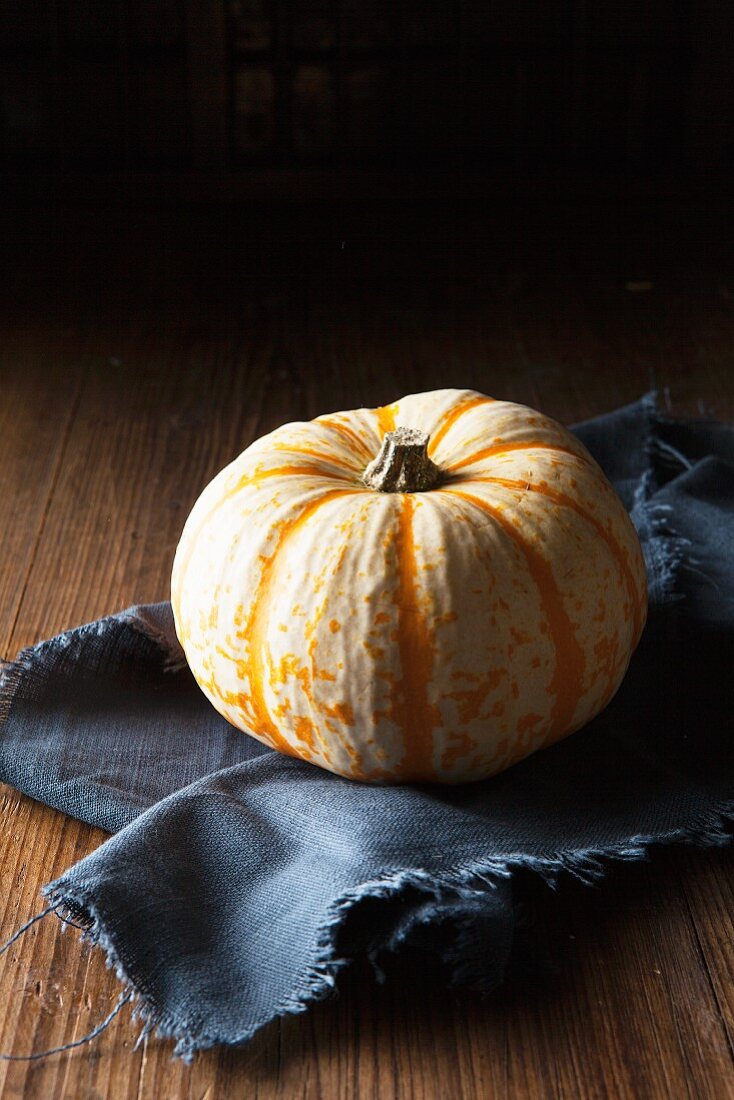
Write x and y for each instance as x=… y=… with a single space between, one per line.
x=615 y=549
x=416 y=716
x=255 y=626
x=304 y=468
x=518 y=445
x=386 y=418
x=352 y=437
x=568 y=676
x=453 y=415
x=333 y=460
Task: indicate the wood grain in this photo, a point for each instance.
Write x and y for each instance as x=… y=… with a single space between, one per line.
x=141 y=351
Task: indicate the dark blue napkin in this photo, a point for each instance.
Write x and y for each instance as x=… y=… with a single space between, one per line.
x=239 y=882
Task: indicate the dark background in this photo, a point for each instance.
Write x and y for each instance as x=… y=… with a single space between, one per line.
x=514 y=88
x=516 y=195
x=539 y=188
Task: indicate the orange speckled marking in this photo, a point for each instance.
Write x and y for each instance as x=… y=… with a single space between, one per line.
x=304 y=729
x=568 y=675
x=448 y=617
x=254 y=629
x=462 y=745
x=638 y=601
x=341 y=711
x=287 y=666
x=415 y=715
x=528 y=721
x=519 y=445
x=606 y=652
x=386 y=418
x=469 y=701
x=453 y=415
x=234 y=659
x=334 y=626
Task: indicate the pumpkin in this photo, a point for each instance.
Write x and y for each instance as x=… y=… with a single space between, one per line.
x=427 y=591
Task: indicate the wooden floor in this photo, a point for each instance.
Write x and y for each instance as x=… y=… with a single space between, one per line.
x=141 y=350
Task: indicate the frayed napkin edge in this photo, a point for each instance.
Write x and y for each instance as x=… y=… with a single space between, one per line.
x=666 y=551
x=25 y=668
x=140 y=619
x=319 y=979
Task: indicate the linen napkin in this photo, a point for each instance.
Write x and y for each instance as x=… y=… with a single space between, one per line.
x=238 y=882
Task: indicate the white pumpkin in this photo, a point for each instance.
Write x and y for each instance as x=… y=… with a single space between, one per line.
x=436 y=622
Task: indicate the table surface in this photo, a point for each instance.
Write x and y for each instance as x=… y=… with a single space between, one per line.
x=142 y=349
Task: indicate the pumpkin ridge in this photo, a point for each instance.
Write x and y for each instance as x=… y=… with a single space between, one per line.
x=417 y=717
x=338 y=710
x=254 y=626
x=292 y=469
x=567 y=680
x=453 y=415
x=613 y=545
x=515 y=445
x=495 y=675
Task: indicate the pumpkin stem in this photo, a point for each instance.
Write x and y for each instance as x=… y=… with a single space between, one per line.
x=403 y=465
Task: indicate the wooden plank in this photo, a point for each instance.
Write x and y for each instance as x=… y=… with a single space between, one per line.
x=708 y=885
x=48 y=999
x=641 y=1020
x=40 y=389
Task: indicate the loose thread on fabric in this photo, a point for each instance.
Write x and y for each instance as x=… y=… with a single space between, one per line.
x=71 y=923
x=123 y=999
x=24 y=927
